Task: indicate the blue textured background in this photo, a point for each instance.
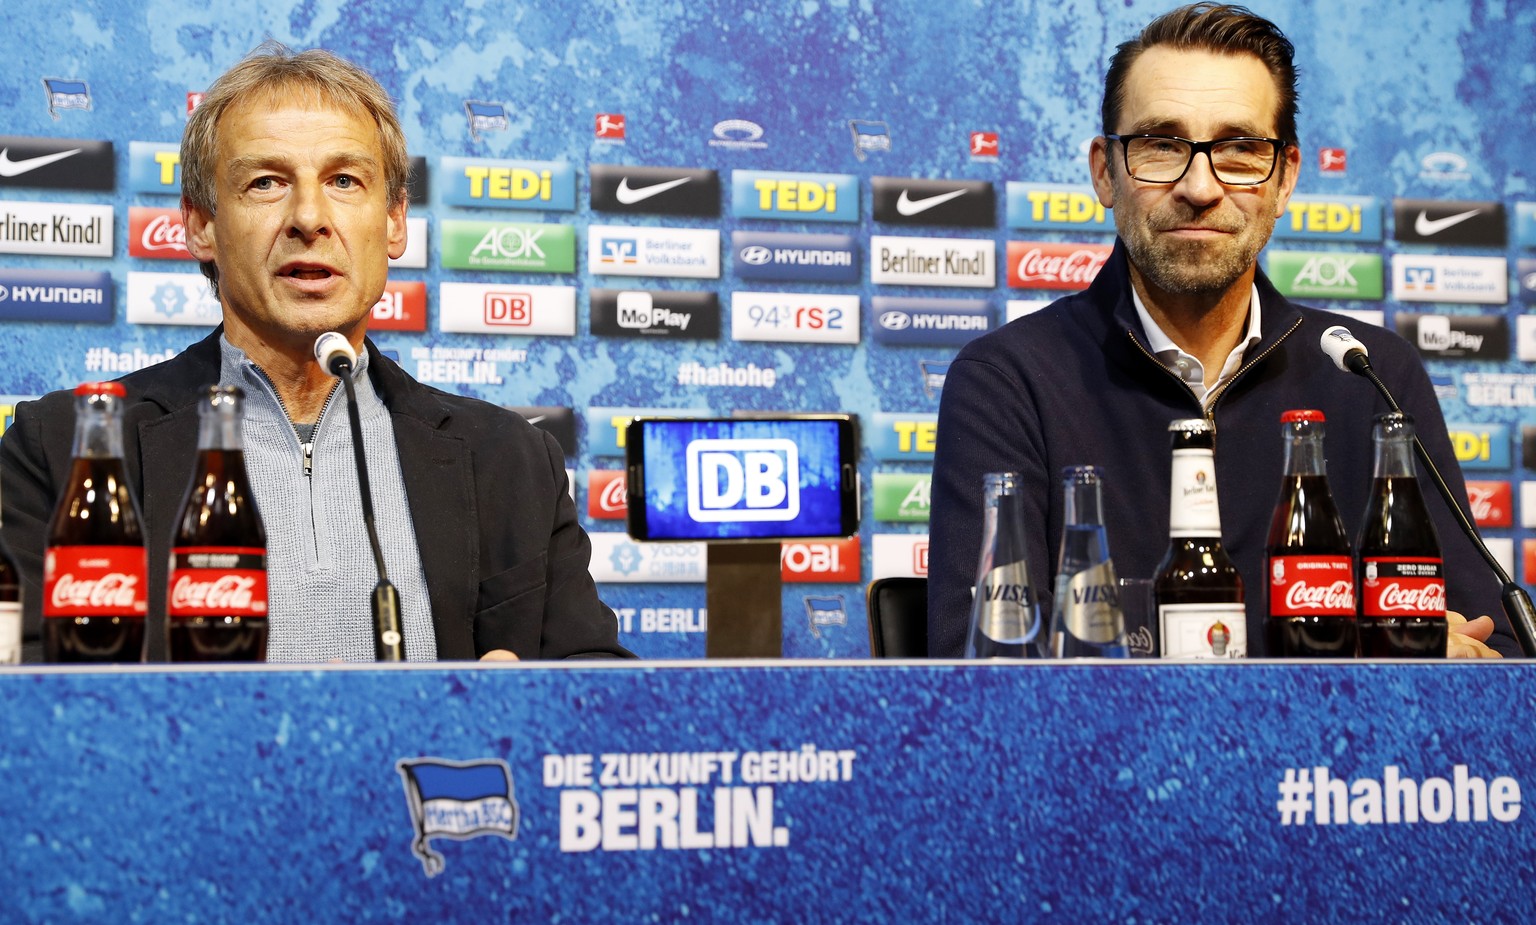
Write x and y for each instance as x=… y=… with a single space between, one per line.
x=1053 y=793
x=1390 y=82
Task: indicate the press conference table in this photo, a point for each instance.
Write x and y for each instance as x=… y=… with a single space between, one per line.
x=770 y=791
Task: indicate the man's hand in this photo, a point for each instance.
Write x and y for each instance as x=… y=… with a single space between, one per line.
x=507 y=655
x=1466 y=637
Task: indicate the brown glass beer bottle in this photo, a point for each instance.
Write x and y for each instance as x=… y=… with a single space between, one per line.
x=1309 y=567
x=95 y=572
x=1199 y=591
x=217 y=600
x=1402 y=577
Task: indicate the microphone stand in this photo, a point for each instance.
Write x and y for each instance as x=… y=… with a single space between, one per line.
x=1517 y=604
x=388 y=641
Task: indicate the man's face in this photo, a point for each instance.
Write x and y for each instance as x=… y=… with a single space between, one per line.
x=304 y=227
x=1196 y=236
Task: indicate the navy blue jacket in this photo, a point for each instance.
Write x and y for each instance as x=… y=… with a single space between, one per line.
x=1076 y=384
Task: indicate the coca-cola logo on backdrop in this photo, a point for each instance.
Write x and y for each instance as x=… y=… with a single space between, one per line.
x=157 y=234
x=1052 y=265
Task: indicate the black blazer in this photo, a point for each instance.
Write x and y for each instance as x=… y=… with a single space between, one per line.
x=504 y=556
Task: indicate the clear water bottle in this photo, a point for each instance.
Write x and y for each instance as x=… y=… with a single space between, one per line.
x=1086 y=619
x=1005 y=617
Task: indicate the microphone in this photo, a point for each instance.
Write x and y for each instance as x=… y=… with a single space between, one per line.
x=1349 y=355
x=335 y=355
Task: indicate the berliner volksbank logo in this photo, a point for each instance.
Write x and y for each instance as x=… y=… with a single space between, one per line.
x=457 y=800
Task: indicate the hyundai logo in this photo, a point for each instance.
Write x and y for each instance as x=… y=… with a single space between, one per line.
x=895 y=321
x=756 y=254
x=4 y=293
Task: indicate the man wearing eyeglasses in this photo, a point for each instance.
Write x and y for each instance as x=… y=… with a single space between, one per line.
x=1198 y=158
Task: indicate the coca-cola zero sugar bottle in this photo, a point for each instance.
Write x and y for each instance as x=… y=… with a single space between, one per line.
x=1402 y=577
x=95 y=571
x=217 y=600
x=1309 y=574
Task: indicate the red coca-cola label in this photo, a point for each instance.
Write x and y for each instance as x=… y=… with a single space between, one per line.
x=1311 y=586
x=1049 y=265
x=157 y=233
x=607 y=497
x=95 y=581
x=217 y=581
x=1402 y=586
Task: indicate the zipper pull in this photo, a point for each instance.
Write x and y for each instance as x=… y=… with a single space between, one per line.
x=309 y=457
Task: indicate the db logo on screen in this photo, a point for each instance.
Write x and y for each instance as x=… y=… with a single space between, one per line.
x=743 y=480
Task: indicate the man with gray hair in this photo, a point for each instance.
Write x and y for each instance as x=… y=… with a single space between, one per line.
x=294 y=173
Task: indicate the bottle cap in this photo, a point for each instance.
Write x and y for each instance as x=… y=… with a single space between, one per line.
x=101 y=388
x=1188 y=425
x=1301 y=414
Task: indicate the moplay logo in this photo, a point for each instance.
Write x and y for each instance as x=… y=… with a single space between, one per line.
x=743 y=480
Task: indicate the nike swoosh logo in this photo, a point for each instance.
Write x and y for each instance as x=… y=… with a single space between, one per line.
x=536 y=419
x=10 y=168
x=1425 y=226
x=629 y=196
x=911 y=207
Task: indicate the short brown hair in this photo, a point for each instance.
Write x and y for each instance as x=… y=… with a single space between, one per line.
x=268 y=71
x=1220 y=28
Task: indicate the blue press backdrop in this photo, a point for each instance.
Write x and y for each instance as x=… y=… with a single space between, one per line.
x=1393 y=84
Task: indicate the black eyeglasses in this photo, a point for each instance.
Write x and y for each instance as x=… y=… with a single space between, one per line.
x=1166 y=158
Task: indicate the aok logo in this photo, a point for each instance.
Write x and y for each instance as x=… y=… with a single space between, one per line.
x=510 y=243
x=515 y=183
x=743 y=480
x=1332 y=272
x=509 y=308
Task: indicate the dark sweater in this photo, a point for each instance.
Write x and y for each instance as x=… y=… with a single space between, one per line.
x=1075 y=384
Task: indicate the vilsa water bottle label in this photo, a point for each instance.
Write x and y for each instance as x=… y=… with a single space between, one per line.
x=1091 y=611
x=1007 y=611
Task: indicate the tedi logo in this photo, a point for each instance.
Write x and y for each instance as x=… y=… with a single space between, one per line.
x=458 y=800
x=743 y=480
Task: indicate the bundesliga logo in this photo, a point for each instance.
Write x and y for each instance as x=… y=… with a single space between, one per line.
x=609 y=126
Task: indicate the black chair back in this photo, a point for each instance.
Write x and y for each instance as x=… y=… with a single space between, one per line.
x=898 y=618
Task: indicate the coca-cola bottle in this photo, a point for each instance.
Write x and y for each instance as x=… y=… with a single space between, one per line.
x=1310 y=578
x=1198 y=590
x=95 y=572
x=1005 y=616
x=1086 y=619
x=1402 y=577
x=217 y=601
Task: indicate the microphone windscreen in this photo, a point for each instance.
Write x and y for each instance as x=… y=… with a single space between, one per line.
x=330 y=348
x=1339 y=344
